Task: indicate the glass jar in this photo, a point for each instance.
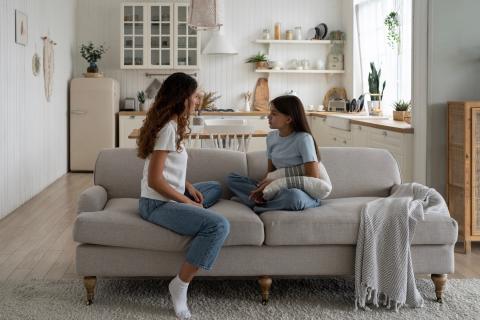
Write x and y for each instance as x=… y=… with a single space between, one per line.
x=298 y=33
x=289 y=35
x=266 y=34
x=277 y=31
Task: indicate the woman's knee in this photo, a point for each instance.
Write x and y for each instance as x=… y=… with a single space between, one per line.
x=219 y=225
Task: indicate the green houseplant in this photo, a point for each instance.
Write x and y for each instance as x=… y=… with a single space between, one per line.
x=402 y=110
x=260 y=59
x=92 y=54
x=374 y=89
x=141 y=99
x=392 y=23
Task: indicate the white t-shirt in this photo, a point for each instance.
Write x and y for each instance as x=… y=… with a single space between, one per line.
x=175 y=168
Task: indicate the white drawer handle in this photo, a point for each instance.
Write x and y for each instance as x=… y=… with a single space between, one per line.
x=385 y=133
x=359 y=127
x=335 y=139
x=345 y=141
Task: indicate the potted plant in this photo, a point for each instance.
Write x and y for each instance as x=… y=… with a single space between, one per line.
x=141 y=100
x=92 y=54
x=207 y=103
x=374 y=107
x=402 y=108
x=260 y=60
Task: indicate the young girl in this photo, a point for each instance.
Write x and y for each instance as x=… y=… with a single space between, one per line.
x=167 y=199
x=290 y=145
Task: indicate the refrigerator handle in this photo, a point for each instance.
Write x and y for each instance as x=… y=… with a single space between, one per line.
x=78 y=112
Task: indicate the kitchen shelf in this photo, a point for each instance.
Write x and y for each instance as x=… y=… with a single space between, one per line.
x=298 y=41
x=300 y=71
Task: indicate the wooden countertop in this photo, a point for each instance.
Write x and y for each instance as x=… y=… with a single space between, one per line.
x=206 y=113
x=385 y=124
x=202 y=135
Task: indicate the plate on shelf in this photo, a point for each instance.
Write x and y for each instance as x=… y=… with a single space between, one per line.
x=311 y=34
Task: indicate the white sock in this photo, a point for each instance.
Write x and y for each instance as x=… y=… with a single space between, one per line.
x=178 y=291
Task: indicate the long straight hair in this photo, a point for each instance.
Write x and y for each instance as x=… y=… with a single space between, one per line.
x=169 y=101
x=292 y=106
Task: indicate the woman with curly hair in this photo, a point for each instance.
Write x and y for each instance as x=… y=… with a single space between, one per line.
x=167 y=199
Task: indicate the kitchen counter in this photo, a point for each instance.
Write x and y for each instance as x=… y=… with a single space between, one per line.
x=385 y=124
x=203 y=135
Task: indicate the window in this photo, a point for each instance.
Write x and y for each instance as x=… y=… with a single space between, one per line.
x=373 y=47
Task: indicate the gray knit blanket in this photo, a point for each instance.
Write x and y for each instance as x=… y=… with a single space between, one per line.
x=383 y=262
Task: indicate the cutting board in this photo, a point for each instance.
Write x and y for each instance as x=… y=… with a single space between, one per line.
x=261 y=97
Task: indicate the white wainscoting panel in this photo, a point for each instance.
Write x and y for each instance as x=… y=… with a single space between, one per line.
x=33 y=132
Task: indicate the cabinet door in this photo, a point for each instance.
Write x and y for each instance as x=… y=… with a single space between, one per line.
x=133 y=36
x=359 y=135
x=187 y=40
x=160 y=36
x=126 y=126
x=318 y=127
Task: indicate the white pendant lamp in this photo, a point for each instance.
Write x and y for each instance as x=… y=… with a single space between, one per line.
x=219 y=43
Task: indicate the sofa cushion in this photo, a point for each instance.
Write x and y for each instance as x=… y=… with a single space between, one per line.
x=336 y=221
x=203 y=165
x=120 y=225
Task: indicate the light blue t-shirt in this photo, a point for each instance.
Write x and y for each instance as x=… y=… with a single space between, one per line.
x=292 y=150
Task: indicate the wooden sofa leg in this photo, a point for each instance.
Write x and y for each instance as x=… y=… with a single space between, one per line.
x=439 y=280
x=265 y=284
x=90 y=283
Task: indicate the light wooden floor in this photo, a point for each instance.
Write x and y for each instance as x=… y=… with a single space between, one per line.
x=36 y=239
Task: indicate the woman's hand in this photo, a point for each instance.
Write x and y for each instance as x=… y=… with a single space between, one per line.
x=257 y=194
x=196 y=195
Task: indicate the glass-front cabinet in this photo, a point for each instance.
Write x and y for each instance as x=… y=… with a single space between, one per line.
x=186 y=41
x=156 y=36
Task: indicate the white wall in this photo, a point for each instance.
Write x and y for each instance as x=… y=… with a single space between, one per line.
x=228 y=75
x=453 y=74
x=33 y=132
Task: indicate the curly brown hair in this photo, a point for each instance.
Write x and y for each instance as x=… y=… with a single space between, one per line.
x=169 y=101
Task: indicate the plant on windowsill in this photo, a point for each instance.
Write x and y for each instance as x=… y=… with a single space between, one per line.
x=374 y=106
x=260 y=60
x=402 y=110
x=92 y=54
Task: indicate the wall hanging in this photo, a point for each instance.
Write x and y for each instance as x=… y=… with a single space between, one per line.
x=48 y=65
x=21 y=28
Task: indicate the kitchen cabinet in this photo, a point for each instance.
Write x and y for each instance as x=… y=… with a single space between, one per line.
x=399 y=144
x=156 y=36
x=126 y=125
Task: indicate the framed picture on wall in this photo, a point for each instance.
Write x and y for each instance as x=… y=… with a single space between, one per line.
x=21 y=28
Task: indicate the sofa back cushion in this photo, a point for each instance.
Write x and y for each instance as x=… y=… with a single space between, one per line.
x=120 y=171
x=354 y=172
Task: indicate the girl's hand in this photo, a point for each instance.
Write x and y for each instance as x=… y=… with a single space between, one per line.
x=257 y=194
x=196 y=195
x=196 y=204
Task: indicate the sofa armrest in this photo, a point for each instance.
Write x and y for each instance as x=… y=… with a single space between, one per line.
x=92 y=199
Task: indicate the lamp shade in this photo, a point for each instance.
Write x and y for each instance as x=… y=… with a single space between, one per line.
x=219 y=44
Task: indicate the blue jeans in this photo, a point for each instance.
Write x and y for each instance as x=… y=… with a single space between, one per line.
x=286 y=199
x=208 y=229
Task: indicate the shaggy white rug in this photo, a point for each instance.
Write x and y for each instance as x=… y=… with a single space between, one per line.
x=224 y=299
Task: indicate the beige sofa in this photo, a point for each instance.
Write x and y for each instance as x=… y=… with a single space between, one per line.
x=115 y=242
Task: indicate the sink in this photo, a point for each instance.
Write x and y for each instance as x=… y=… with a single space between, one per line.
x=236 y=126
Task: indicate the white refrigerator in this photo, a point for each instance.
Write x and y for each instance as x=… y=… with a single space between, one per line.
x=94 y=103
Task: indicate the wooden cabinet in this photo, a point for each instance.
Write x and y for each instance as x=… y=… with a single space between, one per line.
x=463 y=176
x=156 y=36
x=126 y=125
